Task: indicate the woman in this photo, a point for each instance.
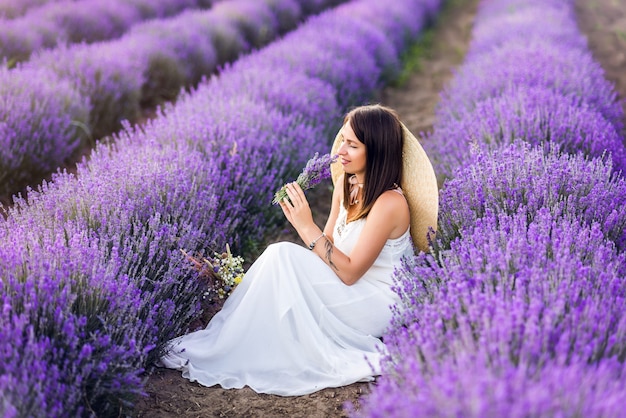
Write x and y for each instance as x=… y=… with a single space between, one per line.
x=308 y=318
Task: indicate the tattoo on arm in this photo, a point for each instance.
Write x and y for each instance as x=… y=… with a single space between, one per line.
x=329 y=253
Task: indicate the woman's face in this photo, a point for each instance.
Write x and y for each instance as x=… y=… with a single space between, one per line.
x=352 y=153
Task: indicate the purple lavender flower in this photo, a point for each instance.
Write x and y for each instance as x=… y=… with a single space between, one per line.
x=570 y=72
x=67 y=21
x=521 y=176
x=519 y=311
x=498 y=24
x=42 y=121
x=537 y=115
x=10 y=9
x=520 y=300
x=316 y=170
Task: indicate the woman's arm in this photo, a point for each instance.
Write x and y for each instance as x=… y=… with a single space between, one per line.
x=388 y=218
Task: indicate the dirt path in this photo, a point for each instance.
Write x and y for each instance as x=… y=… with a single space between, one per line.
x=604 y=23
x=170 y=394
x=415 y=101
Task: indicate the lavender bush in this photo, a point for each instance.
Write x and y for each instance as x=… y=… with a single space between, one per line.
x=186 y=180
x=88 y=21
x=256 y=21
x=42 y=121
x=289 y=14
x=170 y=55
x=518 y=175
x=97 y=235
x=499 y=25
x=518 y=311
x=537 y=115
x=14 y=8
x=147 y=66
x=111 y=85
x=58 y=358
x=521 y=300
x=571 y=72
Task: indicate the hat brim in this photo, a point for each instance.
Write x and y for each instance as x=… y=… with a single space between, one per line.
x=419 y=185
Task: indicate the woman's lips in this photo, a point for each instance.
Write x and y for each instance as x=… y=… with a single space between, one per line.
x=344 y=162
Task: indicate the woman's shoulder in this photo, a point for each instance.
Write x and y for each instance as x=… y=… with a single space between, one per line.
x=391 y=203
x=392 y=198
x=391 y=208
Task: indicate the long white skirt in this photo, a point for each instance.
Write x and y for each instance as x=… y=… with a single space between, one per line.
x=291 y=327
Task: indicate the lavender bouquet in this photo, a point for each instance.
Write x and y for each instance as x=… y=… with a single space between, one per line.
x=316 y=170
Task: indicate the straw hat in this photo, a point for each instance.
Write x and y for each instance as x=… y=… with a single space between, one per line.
x=419 y=185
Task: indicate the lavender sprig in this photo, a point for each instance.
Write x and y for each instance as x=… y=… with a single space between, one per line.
x=316 y=170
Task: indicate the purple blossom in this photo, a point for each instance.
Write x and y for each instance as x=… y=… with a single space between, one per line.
x=521 y=300
x=519 y=309
x=520 y=176
x=42 y=120
x=571 y=72
x=535 y=115
x=316 y=170
x=68 y=21
x=11 y=9
x=153 y=61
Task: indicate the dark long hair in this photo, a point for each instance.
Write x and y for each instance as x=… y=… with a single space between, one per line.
x=379 y=129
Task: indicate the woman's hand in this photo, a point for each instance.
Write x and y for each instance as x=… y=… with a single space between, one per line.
x=297 y=212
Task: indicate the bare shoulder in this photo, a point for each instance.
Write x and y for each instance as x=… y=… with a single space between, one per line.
x=391 y=209
x=391 y=201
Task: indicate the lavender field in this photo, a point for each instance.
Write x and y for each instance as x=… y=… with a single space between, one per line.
x=70 y=21
x=518 y=310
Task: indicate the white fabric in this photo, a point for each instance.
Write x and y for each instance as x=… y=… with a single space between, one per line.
x=292 y=327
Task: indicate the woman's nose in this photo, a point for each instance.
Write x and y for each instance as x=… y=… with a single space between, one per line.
x=342 y=148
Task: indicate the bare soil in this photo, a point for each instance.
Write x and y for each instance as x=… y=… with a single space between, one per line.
x=168 y=394
x=604 y=23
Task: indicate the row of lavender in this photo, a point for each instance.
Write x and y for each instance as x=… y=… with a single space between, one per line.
x=93 y=280
x=56 y=104
x=519 y=311
x=80 y=21
x=13 y=8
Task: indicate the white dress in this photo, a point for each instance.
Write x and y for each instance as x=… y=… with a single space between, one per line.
x=292 y=327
